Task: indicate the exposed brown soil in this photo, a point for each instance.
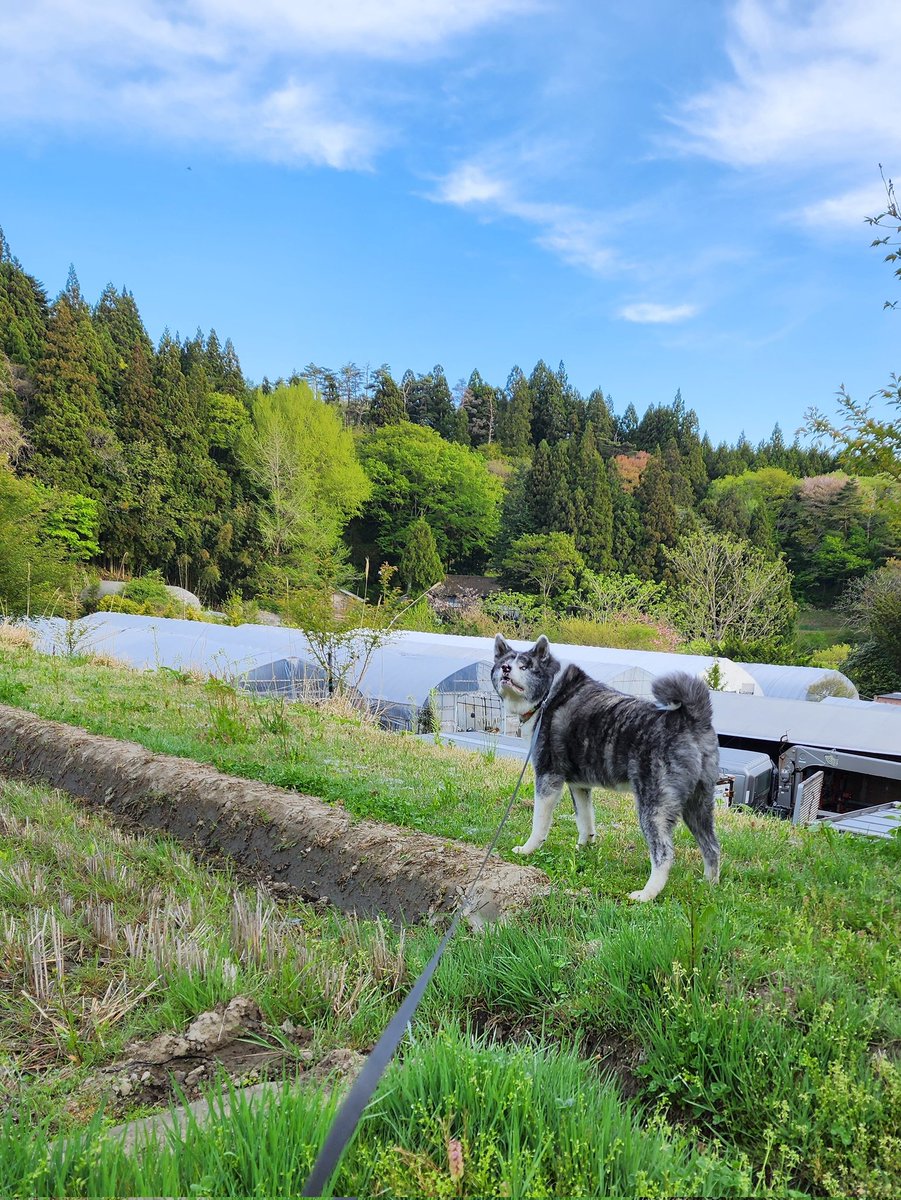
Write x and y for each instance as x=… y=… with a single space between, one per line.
x=615 y=1055
x=293 y=841
x=611 y=1052
x=229 y=1039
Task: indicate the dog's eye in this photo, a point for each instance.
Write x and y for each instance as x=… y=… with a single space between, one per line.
x=525 y=662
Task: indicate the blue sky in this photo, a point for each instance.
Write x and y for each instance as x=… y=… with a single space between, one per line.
x=660 y=194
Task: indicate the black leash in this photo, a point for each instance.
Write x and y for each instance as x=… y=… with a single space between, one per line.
x=348 y=1115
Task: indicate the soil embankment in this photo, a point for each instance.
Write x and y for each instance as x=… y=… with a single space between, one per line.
x=316 y=849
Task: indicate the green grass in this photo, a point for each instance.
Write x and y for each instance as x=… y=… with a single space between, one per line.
x=820 y=628
x=527 y=1121
x=731 y=1042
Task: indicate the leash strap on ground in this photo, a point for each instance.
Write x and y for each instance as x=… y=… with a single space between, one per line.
x=348 y=1115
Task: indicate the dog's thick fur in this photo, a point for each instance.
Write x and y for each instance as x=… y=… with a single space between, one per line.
x=590 y=735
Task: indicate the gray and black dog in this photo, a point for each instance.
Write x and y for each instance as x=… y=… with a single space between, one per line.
x=590 y=735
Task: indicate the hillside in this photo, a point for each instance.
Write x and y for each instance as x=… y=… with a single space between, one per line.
x=737 y=1042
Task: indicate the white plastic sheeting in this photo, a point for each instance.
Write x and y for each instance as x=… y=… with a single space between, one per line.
x=413 y=680
x=798 y=723
x=596 y=660
x=800 y=683
x=229 y=652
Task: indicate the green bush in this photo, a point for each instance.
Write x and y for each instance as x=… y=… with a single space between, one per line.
x=872 y=670
x=238 y=611
x=834 y=656
x=120 y=604
x=624 y=635
x=148 y=589
x=33 y=570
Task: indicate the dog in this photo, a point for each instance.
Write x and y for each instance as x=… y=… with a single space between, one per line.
x=590 y=735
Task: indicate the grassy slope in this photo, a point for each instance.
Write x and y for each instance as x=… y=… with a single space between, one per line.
x=761 y=1023
x=819 y=628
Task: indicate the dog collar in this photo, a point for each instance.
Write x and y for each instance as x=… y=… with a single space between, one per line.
x=529 y=715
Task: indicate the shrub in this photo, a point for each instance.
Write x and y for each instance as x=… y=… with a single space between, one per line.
x=148 y=589
x=239 y=611
x=628 y=634
x=872 y=670
x=833 y=656
x=121 y=604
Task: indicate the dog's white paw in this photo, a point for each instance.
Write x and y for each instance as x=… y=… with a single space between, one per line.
x=524 y=849
x=643 y=896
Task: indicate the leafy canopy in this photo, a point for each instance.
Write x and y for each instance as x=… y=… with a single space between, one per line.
x=726 y=590
x=415 y=473
x=546 y=562
x=305 y=461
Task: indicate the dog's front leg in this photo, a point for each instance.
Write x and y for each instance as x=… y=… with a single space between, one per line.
x=547 y=793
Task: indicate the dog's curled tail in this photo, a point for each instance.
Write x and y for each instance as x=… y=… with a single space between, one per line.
x=686 y=694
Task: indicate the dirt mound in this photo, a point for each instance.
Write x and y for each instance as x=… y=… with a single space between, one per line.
x=231 y=1039
x=291 y=840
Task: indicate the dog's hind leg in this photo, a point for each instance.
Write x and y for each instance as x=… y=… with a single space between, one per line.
x=548 y=791
x=658 y=817
x=584 y=813
x=698 y=816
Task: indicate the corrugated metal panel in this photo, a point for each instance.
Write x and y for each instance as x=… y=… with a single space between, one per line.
x=881 y=822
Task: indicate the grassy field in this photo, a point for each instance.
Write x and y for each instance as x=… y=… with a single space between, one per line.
x=819 y=628
x=736 y=1042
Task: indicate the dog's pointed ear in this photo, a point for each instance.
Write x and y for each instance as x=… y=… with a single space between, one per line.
x=501 y=646
x=542 y=647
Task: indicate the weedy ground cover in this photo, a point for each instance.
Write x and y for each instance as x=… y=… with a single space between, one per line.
x=729 y=1042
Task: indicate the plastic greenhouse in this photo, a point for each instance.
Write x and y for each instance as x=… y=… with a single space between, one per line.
x=800 y=683
x=413 y=681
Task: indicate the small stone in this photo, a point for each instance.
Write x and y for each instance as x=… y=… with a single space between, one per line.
x=125 y=1087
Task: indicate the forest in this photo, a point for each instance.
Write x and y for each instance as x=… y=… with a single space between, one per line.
x=123 y=457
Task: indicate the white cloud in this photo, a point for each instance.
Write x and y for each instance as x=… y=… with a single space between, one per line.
x=577 y=237
x=374 y=28
x=470 y=185
x=273 y=79
x=658 y=314
x=848 y=210
x=813 y=83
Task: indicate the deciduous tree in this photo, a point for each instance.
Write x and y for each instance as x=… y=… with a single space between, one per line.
x=548 y=563
x=725 y=590
x=306 y=465
x=415 y=473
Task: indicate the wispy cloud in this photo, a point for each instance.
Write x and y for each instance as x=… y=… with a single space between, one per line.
x=812 y=83
x=657 y=314
x=273 y=79
x=845 y=211
x=578 y=237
